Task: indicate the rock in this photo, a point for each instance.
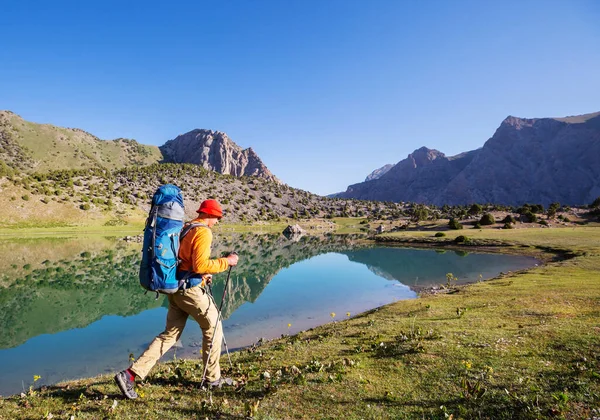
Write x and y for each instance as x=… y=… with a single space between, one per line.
x=293 y=232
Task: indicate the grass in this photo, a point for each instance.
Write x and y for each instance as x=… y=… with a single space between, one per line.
x=521 y=346
x=46 y=228
x=349 y=224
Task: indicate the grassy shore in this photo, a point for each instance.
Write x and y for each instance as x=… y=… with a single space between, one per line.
x=136 y=227
x=525 y=345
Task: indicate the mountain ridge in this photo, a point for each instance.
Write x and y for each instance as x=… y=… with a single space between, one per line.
x=539 y=160
x=33 y=147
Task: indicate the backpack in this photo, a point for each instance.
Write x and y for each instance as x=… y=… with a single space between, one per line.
x=162 y=235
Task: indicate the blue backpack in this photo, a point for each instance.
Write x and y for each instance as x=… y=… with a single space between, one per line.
x=162 y=234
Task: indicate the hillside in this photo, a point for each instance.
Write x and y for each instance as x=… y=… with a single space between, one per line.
x=540 y=160
x=38 y=148
x=31 y=147
x=100 y=196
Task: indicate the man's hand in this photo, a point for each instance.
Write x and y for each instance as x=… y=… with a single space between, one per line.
x=232 y=259
x=206 y=280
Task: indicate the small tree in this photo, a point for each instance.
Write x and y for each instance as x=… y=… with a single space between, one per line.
x=552 y=210
x=454 y=224
x=508 y=219
x=529 y=217
x=487 y=219
x=475 y=209
x=420 y=213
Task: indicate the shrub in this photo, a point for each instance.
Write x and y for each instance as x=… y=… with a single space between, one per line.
x=440 y=234
x=554 y=207
x=529 y=217
x=487 y=219
x=508 y=219
x=475 y=210
x=462 y=239
x=84 y=206
x=477 y=225
x=543 y=222
x=454 y=224
x=25 y=197
x=507 y=226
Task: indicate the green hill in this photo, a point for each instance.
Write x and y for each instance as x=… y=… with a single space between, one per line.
x=31 y=147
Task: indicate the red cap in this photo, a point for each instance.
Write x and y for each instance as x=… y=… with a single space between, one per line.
x=211 y=207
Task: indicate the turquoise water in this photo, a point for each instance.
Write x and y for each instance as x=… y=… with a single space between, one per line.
x=83 y=313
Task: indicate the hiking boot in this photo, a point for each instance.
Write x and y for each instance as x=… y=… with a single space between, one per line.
x=126 y=384
x=220 y=382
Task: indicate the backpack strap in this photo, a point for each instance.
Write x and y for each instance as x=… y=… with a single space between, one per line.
x=151 y=224
x=186 y=229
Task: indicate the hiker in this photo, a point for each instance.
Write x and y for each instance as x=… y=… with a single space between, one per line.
x=192 y=299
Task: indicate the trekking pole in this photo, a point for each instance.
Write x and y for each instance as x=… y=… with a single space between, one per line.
x=220 y=317
x=217 y=324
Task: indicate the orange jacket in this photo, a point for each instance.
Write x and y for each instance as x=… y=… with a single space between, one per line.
x=194 y=252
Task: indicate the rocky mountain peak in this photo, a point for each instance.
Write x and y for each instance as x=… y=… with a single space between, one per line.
x=424 y=156
x=535 y=160
x=215 y=151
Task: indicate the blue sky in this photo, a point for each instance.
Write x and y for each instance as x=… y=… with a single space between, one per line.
x=324 y=91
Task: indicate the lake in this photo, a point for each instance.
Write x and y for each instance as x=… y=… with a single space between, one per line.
x=73 y=307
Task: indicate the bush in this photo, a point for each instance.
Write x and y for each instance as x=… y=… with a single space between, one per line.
x=25 y=197
x=487 y=219
x=477 y=225
x=507 y=226
x=84 y=206
x=475 y=210
x=529 y=217
x=462 y=239
x=543 y=222
x=454 y=224
x=508 y=219
x=440 y=234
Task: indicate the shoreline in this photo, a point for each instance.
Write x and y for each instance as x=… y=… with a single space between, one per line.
x=575 y=254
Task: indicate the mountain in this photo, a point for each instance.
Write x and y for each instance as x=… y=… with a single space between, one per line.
x=215 y=151
x=541 y=160
x=378 y=173
x=30 y=147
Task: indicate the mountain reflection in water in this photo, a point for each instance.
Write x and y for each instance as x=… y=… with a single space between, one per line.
x=74 y=307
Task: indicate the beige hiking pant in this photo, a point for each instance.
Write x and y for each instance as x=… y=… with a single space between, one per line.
x=197 y=303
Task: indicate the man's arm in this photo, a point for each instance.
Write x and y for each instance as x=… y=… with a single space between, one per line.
x=201 y=261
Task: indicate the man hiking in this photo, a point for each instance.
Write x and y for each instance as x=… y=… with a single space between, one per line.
x=191 y=300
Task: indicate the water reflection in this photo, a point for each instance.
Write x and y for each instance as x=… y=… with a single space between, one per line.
x=61 y=284
x=74 y=307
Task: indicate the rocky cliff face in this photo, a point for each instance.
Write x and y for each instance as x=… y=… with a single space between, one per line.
x=378 y=173
x=215 y=151
x=527 y=160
